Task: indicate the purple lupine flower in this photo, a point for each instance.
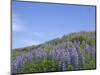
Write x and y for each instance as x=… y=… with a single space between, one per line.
x=67 y=57
x=25 y=58
x=29 y=57
x=19 y=61
x=44 y=53
x=75 y=62
x=81 y=54
x=17 y=64
x=53 y=54
x=59 y=54
x=63 y=59
x=74 y=55
x=88 y=50
x=38 y=54
x=93 y=53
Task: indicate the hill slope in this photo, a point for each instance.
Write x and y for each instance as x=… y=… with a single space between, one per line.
x=74 y=51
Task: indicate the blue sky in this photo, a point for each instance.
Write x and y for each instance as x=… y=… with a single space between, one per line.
x=35 y=23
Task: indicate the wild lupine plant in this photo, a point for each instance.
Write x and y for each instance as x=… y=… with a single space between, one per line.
x=74 y=56
x=62 y=57
x=88 y=49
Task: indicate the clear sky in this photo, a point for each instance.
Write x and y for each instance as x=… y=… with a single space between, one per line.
x=35 y=23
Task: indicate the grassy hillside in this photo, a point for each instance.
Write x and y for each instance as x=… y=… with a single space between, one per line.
x=75 y=51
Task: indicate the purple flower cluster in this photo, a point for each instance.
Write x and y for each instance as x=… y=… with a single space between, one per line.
x=19 y=62
x=63 y=56
x=29 y=57
x=74 y=56
x=88 y=49
x=81 y=55
x=39 y=54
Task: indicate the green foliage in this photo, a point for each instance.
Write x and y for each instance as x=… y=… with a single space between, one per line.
x=90 y=64
x=40 y=66
x=47 y=47
x=70 y=67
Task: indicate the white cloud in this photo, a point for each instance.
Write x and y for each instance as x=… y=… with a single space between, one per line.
x=17 y=25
